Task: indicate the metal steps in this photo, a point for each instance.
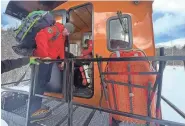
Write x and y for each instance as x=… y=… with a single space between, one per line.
x=81 y=116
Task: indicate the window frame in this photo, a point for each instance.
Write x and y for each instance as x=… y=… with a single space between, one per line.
x=130 y=36
x=62 y=13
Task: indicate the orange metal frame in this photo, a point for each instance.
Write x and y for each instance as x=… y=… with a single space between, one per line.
x=142 y=30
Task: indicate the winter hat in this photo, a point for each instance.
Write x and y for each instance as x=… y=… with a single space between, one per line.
x=70 y=27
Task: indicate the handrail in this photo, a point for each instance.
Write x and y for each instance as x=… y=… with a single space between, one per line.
x=70 y=94
x=14 y=82
x=150 y=58
x=173 y=106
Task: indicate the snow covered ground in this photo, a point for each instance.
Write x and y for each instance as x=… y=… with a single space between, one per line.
x=173 y=89
x=3 y=123
x=22 y=88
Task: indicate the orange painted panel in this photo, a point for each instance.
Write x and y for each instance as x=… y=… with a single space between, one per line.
x=122 y=94
x=142 y=29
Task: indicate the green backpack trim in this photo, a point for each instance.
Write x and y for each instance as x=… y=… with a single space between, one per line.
x=39 y=14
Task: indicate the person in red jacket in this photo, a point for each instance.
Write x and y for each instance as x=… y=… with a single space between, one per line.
x=87 y=53
x=50 y=43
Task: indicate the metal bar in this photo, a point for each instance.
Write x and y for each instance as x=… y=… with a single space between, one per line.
x=36 y=78
x=184 y=64
x=161 y=69
x=70 y=97
x=114 y=97
x=174 y=107
x=64 y=118
x=154 y=88
x=140 y=117
x=149 y=101
x=14 y=90
x=101 y=97
x=130 y=89
x=103 y=84
x=119 y=14
x=14 y=82
x=86 y=123
x=130 y=73
x=150 y=58
x=65 y=75
x=125 y=84
x=33 y=67
x=49 y=97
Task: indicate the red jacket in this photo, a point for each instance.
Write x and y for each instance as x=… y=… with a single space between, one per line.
x=87 y=52
x=47 y=47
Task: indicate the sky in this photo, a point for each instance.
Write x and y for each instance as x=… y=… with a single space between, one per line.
x=168 y=20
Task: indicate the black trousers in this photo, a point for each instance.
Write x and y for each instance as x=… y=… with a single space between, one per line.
x=44 y=75
x=45 y=82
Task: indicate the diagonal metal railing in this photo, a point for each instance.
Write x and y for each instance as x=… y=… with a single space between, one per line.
x=68 y=87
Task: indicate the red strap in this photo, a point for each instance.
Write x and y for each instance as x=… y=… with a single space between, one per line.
x=89 y=50
x=84 y=82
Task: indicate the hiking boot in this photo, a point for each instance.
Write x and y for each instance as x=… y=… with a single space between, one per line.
x=40 y=114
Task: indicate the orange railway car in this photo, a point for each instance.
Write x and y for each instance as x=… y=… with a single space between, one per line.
x=98 y=21
x=116 y=29
x=105 y=31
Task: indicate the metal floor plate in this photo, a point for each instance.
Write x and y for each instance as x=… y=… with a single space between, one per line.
x=81 y=116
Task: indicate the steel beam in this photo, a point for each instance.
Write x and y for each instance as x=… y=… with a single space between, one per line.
x=174 y=107
x=140 y=117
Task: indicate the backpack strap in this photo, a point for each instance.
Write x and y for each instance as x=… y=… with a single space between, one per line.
x=57 y=34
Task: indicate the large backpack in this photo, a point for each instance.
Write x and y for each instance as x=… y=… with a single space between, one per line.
x=30 y=26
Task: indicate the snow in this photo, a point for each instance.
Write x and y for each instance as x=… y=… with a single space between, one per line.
x=174 y=90
x=22 y=88
x=3 y=123
x=179 y=43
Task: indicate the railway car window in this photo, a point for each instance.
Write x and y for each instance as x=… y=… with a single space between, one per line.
x=81 y=46
x=60 y=16
x=119 y=33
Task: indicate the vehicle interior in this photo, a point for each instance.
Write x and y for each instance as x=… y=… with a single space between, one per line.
x=81 y=18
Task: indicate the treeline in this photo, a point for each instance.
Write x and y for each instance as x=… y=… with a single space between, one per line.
x=173 y=51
